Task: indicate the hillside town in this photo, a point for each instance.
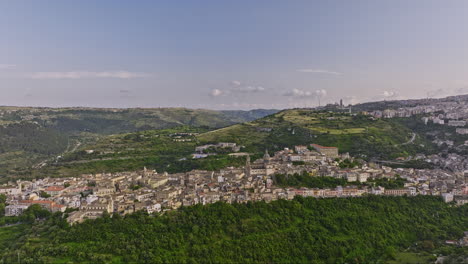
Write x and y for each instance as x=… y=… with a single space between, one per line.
x=93 y=195
x=452 y=112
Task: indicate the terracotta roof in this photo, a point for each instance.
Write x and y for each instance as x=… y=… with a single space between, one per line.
x=36 y=202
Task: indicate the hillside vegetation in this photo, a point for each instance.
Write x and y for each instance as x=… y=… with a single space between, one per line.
x=163 y=150
x=22 y=143
x=114 y=121
x=371 y=229
x=33 y=137
x=359 y=135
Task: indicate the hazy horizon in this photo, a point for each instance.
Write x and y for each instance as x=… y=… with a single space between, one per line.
x=214 y=109
x=230 y=55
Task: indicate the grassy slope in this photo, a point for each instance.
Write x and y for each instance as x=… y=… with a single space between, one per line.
x=354 y=134
x=73 y=126
x=156 y=149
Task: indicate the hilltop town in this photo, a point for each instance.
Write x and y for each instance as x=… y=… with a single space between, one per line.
x=234 y=132
x=93 y=195
x=271 y=177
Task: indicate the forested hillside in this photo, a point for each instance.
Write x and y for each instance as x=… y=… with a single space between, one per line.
x=36 y=137
x=30 y=137
x=116 y=120
x=23 y=143
x=155 y=149
x=372 y=229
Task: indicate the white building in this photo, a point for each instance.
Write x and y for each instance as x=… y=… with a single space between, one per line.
x=457 y=123
x=15 y=209
x=447 y=197
x=462 y=131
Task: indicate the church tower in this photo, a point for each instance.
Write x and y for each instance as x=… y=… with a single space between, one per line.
x=266 y=157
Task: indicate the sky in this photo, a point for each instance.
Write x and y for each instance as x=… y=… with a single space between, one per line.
x=242 y=54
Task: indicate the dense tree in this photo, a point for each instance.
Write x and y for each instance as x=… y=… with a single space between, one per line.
x=306 y=180
x=306 y=230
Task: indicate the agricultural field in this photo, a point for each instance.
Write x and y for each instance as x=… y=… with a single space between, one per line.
x=357 y=134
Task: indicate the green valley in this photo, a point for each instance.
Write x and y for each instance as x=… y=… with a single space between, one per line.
x=36 y=137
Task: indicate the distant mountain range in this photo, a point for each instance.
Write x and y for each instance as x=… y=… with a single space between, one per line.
x=116 y=120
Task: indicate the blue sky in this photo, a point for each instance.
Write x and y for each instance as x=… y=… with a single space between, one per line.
x=230 y=54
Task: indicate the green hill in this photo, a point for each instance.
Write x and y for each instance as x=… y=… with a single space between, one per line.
x=357 y=134
x=32 y=137
x=156 y=149
x=114 y=120
x=23 y=142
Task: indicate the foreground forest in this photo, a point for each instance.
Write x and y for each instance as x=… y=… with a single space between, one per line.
x=371 y=229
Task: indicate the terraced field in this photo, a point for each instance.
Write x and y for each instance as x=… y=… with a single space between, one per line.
x=360 y=135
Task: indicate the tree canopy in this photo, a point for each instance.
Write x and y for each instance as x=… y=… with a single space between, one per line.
x=305 y=230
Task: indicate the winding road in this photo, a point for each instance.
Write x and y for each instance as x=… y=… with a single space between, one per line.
x=413 y=137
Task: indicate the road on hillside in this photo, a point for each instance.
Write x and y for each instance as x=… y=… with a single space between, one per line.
x=413 y=137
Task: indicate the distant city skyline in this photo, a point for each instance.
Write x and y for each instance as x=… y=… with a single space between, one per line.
x=230 y=54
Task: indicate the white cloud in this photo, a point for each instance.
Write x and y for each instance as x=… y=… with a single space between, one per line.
x=299 y=93
x=319 y=71
x=87 y=75
x=236 y=83
x=321 y=93
x=303 y=93
x=250 y=89
x=216 y=92
x=240 y=87
x=7 y=66
x=236 y=89
x=386 y=95
x=389 y=94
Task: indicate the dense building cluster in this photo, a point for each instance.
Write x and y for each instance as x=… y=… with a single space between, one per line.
x=455 y=111
x=90 y=196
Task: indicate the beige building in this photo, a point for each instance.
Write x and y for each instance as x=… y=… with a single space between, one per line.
x=331 y=152
x=397 y=192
